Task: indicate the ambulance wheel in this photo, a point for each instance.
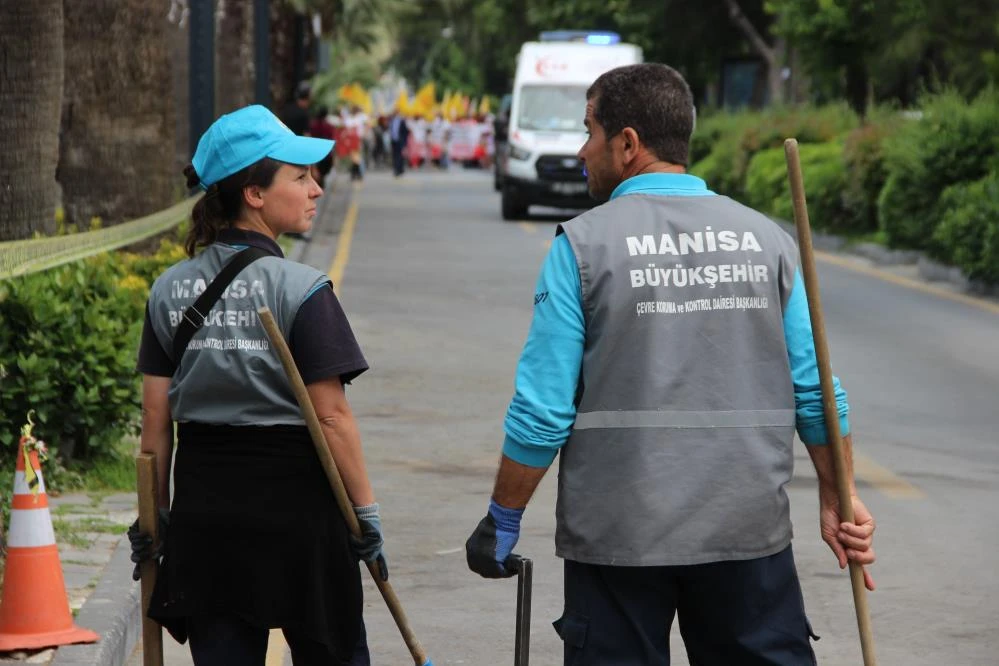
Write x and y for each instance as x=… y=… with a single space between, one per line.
x=512 y=207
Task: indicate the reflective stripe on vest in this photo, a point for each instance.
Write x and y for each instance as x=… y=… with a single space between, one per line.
x=655 y=419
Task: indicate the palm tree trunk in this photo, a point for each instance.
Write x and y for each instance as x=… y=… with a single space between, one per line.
x=31 y=81
x=234 y=56
x=116 y=158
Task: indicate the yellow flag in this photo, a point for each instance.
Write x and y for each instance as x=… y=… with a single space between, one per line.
x=402 y=103
x=425 y=96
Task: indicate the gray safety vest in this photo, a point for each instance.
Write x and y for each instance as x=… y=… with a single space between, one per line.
x=685 y=414
x=229 y=373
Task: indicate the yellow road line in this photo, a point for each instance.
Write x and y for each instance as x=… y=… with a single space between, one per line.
x=883 y=479
x=275 y=648
x=527 y=227
x=843 y=262
x=343 y=246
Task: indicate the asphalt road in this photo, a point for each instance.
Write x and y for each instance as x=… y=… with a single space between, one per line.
x=439 y=291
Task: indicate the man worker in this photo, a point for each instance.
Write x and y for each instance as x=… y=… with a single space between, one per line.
x=670 y=360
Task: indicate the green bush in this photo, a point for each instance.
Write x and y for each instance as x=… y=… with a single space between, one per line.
x=735 y=139
x=714 y=127
x=952 y=142
x=68 y=346
x=968 y=233
x=863 y=157
x=824 y=176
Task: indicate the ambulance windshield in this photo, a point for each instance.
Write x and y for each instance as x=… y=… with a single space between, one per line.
x=547 y=108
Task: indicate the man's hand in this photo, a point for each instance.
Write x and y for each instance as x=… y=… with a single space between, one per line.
x=142 y=543
x=850 y=542
x=492 y=542
x=369 y=546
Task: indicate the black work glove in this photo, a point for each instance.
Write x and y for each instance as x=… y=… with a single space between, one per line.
x=488 y=556
x=142 y=543
x=369 y=546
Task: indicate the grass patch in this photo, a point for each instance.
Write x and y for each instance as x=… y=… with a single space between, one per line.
x=72 y=509
x=110 y=474
x=99 y=526
x=876 y=237
x=67 y=532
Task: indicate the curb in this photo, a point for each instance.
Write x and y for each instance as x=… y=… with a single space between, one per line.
x=927 y=270
x=112 y=611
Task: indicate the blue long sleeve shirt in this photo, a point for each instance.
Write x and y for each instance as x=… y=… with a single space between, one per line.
x=542 y=411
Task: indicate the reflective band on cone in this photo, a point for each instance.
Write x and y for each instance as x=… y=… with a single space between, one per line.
x=34 y=612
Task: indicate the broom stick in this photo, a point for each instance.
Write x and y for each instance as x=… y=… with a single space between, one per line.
x=811 y=278
x=333 y=474
x=147 y=486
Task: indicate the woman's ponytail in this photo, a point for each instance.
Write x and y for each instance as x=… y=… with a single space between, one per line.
x=206 y=216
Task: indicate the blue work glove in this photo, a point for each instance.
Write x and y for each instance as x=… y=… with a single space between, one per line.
x=142 y=542
x=492 y=542
x=369 y=546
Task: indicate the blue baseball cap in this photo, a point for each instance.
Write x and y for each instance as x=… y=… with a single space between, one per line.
x=243 y=137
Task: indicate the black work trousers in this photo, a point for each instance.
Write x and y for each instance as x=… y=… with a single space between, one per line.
x=398 y=163
x=747 y=612
x=230 y=641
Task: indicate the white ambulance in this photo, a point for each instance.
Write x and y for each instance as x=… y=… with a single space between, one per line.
x=545 y=131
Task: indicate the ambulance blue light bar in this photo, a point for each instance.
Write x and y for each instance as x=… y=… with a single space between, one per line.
x=600 y=38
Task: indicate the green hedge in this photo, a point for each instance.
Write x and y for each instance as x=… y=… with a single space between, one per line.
x=824 y=176
x=968 y=233
x=724 y=144
x=866 y=172
x=953 y=142
x=68 y=349
x=915 y=177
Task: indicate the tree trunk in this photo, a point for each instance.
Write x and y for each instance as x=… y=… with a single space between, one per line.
x=282 y=54
x=31 y=81
x=769 y=54
x=234 y=56
x=857 y=87
x=116 y=155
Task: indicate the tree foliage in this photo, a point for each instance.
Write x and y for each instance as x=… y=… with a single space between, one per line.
x=488 y=34
x=860 y=50
x=881 y=50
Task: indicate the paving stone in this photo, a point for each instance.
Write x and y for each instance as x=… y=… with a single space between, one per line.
x=120 y=501
x=68 y=554
x=79 y=576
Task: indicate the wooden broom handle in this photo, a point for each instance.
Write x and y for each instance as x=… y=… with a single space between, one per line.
x=333 y=474
x=149 y=522
x=811 y=278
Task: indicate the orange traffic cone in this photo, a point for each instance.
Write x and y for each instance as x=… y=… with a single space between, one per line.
x=34 y=612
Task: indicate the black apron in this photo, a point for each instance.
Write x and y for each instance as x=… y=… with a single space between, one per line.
x=255 y=532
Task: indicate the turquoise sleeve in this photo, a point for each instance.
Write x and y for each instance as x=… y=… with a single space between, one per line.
x=543 y=410
x=809 y=417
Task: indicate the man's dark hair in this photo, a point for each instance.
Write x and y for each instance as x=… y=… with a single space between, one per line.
x=653 y=100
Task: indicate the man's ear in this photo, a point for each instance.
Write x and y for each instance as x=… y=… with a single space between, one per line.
x=630 y=143
x=253 y=196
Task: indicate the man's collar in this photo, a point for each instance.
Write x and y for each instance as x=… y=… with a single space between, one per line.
x=663 y=184
x=242 y=237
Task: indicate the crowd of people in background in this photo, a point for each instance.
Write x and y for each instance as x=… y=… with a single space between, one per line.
x=395 y=140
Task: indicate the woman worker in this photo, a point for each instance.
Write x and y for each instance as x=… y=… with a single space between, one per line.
x=255 y=539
